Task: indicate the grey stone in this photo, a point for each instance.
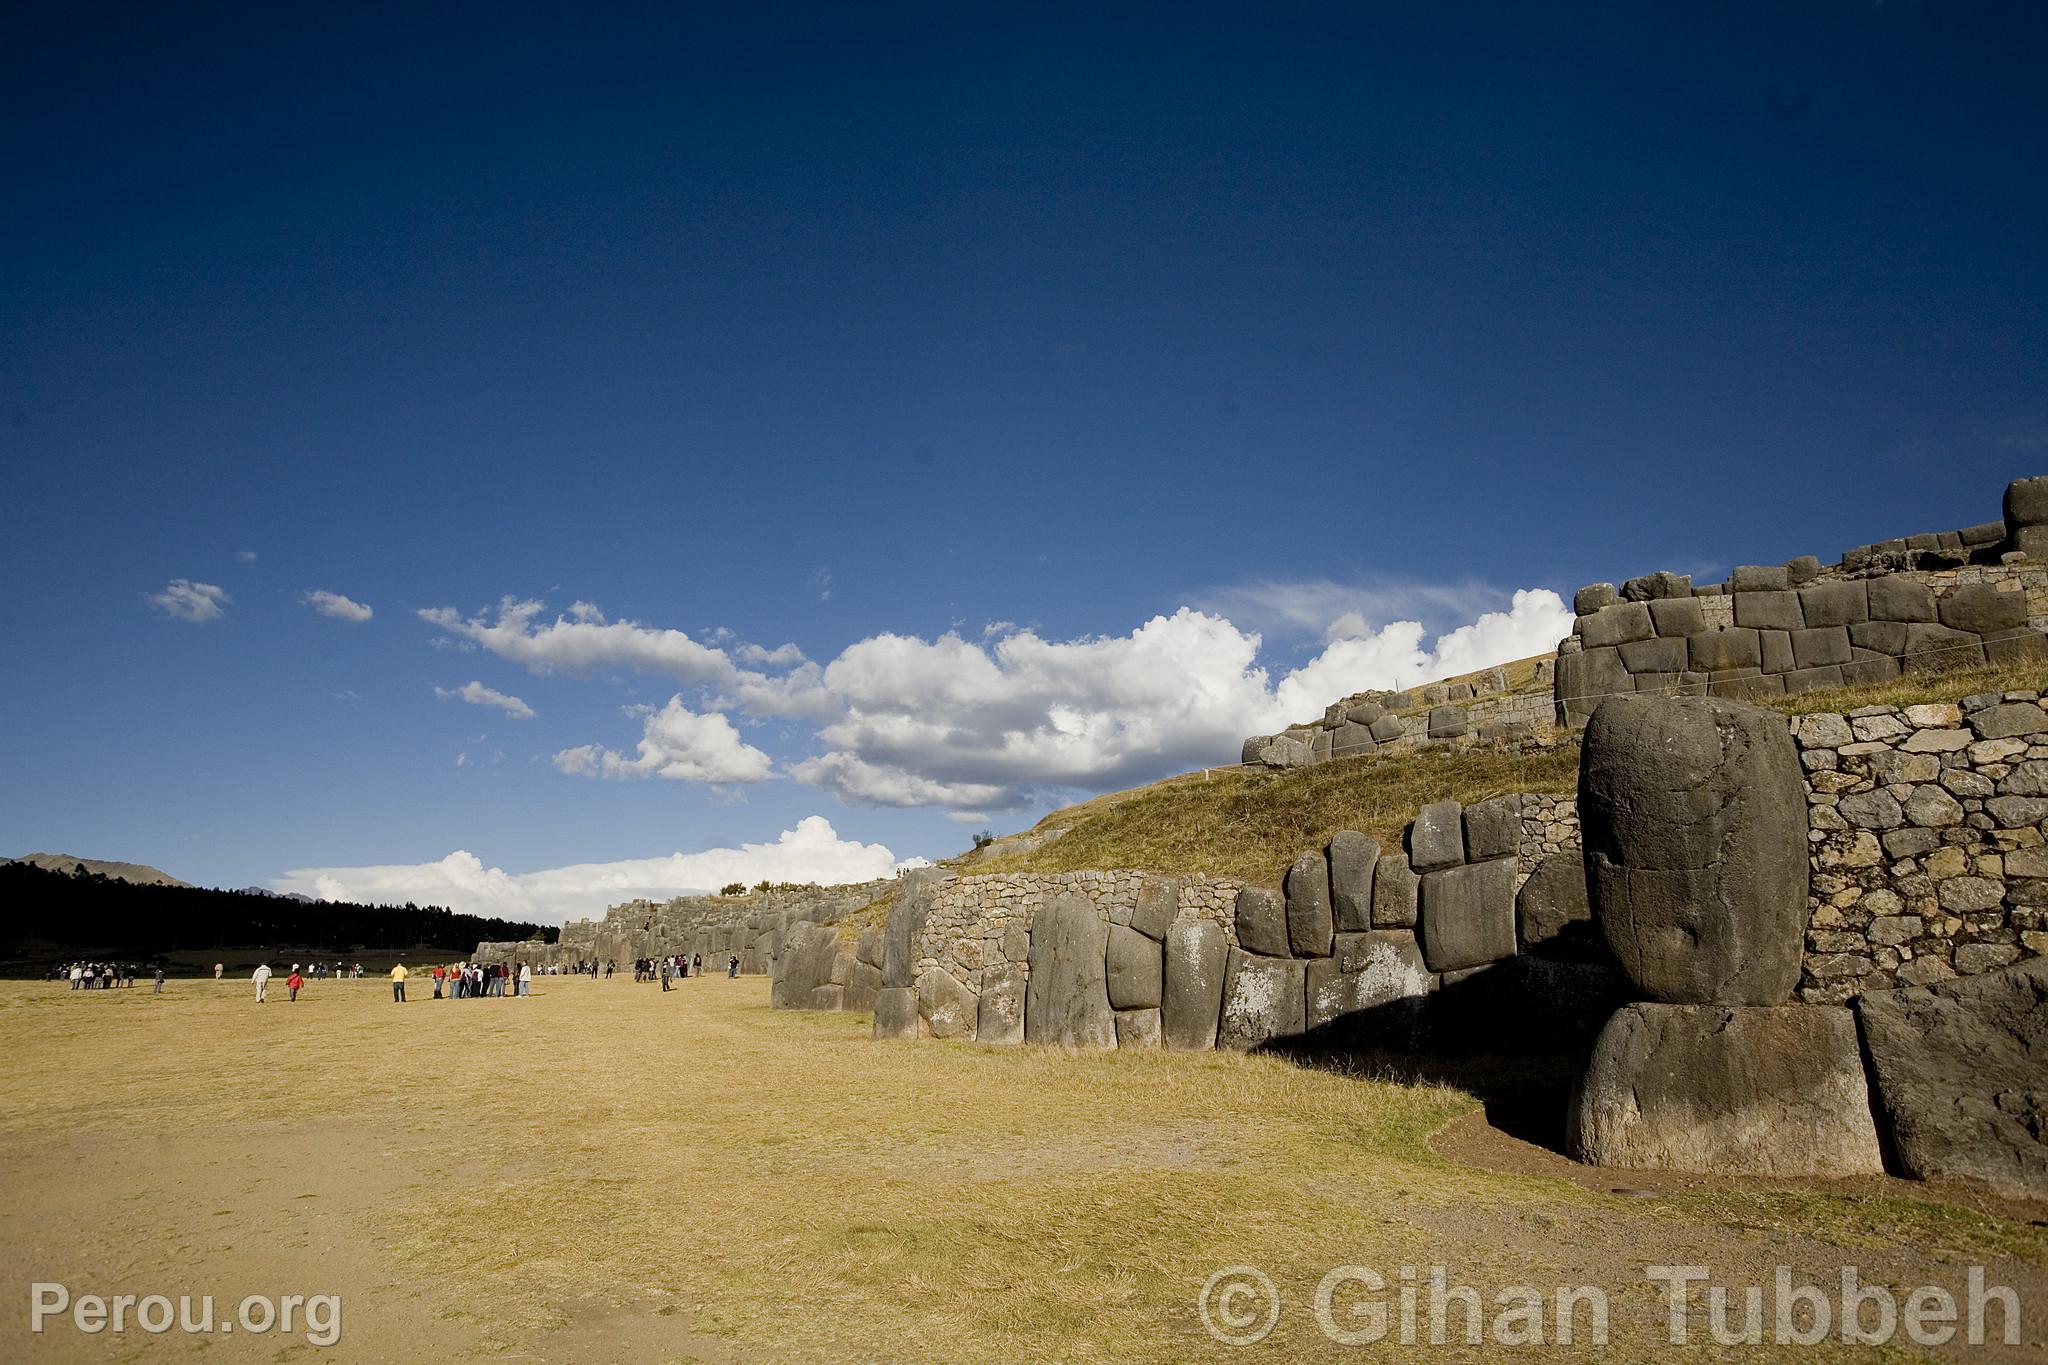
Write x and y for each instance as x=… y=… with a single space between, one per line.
x=1777 y=650
x=1552 y=910
x=2029 y=541
x=1387 y=727
x=1661 y=584
x=1262 y=921
x=907 y=911
x=1838 y=603
x=1066 y=999
x=871 y=947
x=1886 y=637
x=1983 y=534
x=1493 y=828
x=1133 y=966
x=1742 y=684
x=805 y=964
x=1664 y=655
x=1869 y=668
x=1279 y=751
x=1448 y=722
x=828 y=998
x=1938 y=649
x=1196 y=956
x=1803 y=569
x=1711 y=1090
x=1897 y=598
x=1367 y=971
x=2026 y=779
x=950 y=1010
x=1395 y=890
x=1365 y=712
x=1930 y=807
x=1138 y=1028
x=1437 y=836
x=1616 y=625
x=1263 y=1000
x=1352 y=859
x=1816 y=648
x=862 y=985
x=2026 y=502
x=1351 y=739
x=1759 y=578
x=1678 y=616
x=1158 y=905
x=1725 y=648
x=1309 y=918
x=1980 y=608
x=1584 y=679
x=1592 y=597
x=1693 y=813
x=2013 y=812
x=1871 y=810
x=2009 y=720
x=1961 y=1073
x=1769 y=611
x=1468 y=915
x=895 y=1013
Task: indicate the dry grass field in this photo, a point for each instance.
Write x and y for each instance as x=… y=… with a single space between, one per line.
x=606 y=1172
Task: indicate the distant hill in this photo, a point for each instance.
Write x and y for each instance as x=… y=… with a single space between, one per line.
x=139 y=873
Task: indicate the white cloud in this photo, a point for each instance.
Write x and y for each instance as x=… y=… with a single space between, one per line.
x=1325 y=609
x=811 y=852
x=462 y=760
x=184 y=600
x=335 y=605
x=996 y=723
x=782 y=656
x=246 y=556
x=582 y=641
x=476 y=694
x=678 y=743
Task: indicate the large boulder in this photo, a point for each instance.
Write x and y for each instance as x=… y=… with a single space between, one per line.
x=1553 y=913
x=861 y=985
x=949 y=1008
x=1309 y=923
x=1693 y=814
x=1000 y=1016
x=1437 y=836
x=1706 y=1089
x=1962 y=1076
x=1262 y=1000
x=806 y=963
x=1131 y=962
x=1394 y=890
x=907 y=910
x=1157 y=905
x=1137 y=1028
x=1067 y=998
x=1365 y=971
x=1352 y=859
x=1261 y=921
x=1468 y=915
x=1196 y=957
x=895 y=1013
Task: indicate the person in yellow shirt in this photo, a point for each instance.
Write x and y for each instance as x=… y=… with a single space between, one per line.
x=398 y=983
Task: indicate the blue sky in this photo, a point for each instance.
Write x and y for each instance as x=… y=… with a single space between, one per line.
x=1016 y=366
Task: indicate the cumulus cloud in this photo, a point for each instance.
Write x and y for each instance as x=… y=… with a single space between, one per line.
x=476 y=694
x=811 y=852
x=1326 y=609
x=678 y=743
x=335 y=605
x=1010 y=717
x=184 y=600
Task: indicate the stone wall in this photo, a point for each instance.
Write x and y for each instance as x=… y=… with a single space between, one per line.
x=1783 y=630
x=751 y=927
x=1201 y=961
x=1475 y=709
x=1929 y=835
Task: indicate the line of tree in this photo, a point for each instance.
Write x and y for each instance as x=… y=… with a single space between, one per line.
x=53 y=915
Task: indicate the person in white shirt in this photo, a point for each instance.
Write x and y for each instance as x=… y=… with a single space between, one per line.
x=262 y=979
x=525 y=978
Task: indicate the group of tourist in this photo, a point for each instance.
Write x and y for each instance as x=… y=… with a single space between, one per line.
x=100 y=976
x=476 y=980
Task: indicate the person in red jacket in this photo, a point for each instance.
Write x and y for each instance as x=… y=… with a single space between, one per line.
x=293 y=982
